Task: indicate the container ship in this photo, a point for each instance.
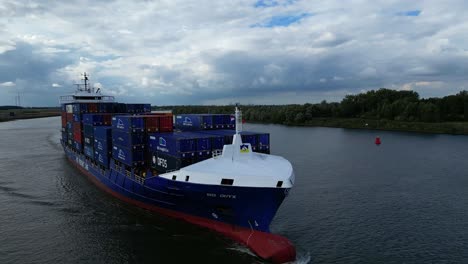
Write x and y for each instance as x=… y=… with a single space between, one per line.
x=201 y=168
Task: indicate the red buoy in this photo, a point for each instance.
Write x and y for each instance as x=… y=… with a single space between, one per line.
x=377 y=141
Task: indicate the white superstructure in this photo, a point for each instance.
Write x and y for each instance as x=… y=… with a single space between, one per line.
x=86 y=94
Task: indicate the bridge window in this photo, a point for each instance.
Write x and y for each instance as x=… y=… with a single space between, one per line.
x=187 y=178
x=279 y=184
x=227 y=181
x=174 y=177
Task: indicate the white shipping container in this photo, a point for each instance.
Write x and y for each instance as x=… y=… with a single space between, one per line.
x=69 y=108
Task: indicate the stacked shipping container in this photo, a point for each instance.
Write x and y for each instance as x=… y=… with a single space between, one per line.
x=102 y=144
x=260 y=142
x=137 y=138
x=129 y=136
x=127 y=139
x=194 y=122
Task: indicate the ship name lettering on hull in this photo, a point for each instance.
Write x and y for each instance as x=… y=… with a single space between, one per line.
x=226 y=196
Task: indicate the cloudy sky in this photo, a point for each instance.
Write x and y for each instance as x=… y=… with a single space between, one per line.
x=218 y=52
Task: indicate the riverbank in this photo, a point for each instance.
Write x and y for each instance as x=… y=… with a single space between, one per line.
x=455 y=128
x=15 y=114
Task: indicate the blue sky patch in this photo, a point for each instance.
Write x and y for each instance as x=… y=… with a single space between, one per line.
x=282 y=21
x=266 y=3
x=413 y=13
x=272 y=3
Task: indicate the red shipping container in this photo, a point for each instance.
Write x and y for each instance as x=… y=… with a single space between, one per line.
x=70 y=117
x=166 y=123
x=77 y=136
x=76 y=127
x=107 y=119
x=77 y=132
x=92 y=108
x=64 y=119
x=151 y=123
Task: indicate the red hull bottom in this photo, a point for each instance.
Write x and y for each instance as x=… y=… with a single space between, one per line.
x=271 y=247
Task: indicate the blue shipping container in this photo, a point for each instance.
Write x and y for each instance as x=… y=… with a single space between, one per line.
x=88 y=130
x=128 y=123
x=89 y=151
x=105 y=107
x=138 y=108
x=224 y=121
x=147 y=108
x=102 y=132
x=264 y=143
x=88 y=140
x=64 y=136
x=247 y=136
x=250 y=138
x=164 y=163
x=219 y=121
x=77 y=145
x=172 y=143
x=217 y=142
x=193 y=122
x=128 y=156
x=203 y=155
x=93 y=119
x=80 y=108
x=77 y=117
x=102 y=145
x=76 y=107
x=127 y=139
x=120 y=108
x=102 y=158
x=203 y=142
x=230 y=121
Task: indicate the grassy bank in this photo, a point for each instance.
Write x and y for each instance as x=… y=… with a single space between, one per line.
x=457 y=128
x=27 y=113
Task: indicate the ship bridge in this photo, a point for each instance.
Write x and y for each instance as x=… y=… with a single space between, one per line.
x=86 y=94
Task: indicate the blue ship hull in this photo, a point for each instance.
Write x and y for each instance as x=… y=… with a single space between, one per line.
x=248 y=207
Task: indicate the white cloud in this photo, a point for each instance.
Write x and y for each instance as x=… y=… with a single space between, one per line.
x=7 y=84
x=422 y=85
x=209 y=50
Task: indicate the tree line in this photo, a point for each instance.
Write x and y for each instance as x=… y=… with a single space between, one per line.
x=382 y=104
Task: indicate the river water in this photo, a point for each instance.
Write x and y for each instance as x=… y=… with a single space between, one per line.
x=405 y=201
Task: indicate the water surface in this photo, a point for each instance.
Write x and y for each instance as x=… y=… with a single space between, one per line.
x=404 y=201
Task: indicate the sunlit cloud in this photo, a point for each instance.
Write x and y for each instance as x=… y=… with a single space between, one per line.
x=251 y=51
x=7 y=84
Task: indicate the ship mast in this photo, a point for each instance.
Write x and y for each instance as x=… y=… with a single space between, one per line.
x=85 y=79
x=238 y=116
x=237 y=139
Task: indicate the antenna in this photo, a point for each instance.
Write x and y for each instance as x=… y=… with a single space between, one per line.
x=86 y=82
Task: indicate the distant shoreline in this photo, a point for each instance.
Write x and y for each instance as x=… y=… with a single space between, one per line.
x=452 y=128
x=5 y=115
